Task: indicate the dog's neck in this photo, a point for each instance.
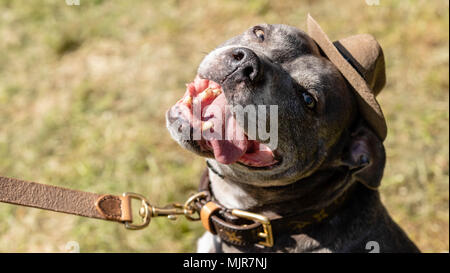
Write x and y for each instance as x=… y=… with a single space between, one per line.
x=315 y=192
x=312 y=193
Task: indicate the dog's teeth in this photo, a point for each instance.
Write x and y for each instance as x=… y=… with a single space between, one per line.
x=207 y=125
x=209 y=94
x=205 y=94
x=217 y=92
x=188 y=100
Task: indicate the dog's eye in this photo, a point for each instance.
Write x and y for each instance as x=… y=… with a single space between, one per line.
x=309 y=100
x=259 y=33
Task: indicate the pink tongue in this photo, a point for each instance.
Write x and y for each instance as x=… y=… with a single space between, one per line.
x=233 y=143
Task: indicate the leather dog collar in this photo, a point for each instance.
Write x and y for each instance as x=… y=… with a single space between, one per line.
x=244 y=228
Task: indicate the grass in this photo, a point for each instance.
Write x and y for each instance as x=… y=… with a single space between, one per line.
x=83 y=91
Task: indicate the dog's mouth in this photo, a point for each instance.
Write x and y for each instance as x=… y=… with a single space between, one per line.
x=204 y=106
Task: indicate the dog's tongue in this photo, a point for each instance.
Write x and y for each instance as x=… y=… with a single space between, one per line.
x=233 y=143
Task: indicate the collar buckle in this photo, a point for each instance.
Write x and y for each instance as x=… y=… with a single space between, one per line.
x=267 y=227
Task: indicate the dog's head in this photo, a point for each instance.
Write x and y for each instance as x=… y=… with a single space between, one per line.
x=267 y=108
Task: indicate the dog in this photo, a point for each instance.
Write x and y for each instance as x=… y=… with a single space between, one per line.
x=328 y=158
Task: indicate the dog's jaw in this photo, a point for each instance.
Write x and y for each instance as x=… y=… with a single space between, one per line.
x=213 y=129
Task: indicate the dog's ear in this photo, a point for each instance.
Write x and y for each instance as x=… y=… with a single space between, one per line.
x=365 y=156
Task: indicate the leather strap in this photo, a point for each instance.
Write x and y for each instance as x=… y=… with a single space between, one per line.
x=31 y=194
x=205 y=215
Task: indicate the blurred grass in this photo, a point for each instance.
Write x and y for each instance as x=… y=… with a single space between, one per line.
x=84 y=89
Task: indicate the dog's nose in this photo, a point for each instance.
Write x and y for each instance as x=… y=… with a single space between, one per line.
x=245 y=63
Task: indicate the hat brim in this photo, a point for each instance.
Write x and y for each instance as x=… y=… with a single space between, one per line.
x=367 y=102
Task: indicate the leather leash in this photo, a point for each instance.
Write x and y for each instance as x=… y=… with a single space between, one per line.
x=234 y=226
x=31 y=194
x=99 y=206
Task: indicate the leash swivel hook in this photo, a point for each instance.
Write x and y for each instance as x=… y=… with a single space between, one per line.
x=147 y=211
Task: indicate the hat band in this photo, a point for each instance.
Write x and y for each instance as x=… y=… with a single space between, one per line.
x=350 y=60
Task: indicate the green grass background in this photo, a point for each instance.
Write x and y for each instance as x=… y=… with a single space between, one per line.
x=84 y=89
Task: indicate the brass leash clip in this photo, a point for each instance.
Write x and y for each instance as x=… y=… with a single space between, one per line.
x=189 y=211
x=147 y=211
x=171 y=211
x=144 y=211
